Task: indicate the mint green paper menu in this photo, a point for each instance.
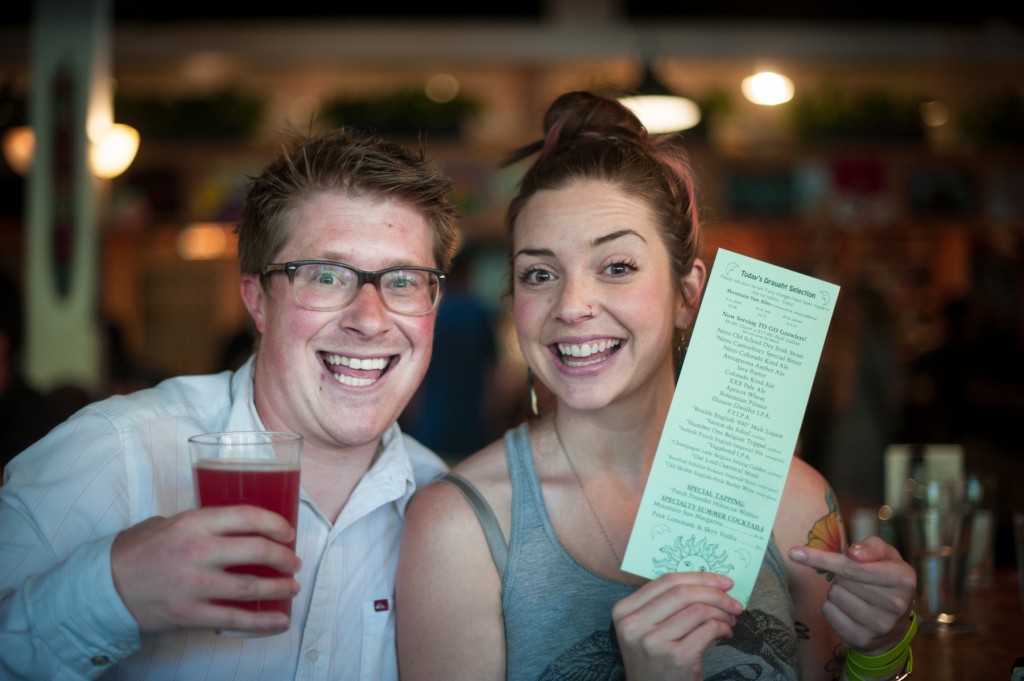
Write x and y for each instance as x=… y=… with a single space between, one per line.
x=731 y=430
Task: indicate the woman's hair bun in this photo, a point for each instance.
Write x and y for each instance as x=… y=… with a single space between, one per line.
x=579 y=114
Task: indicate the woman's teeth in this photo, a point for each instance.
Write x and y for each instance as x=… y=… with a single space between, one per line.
x=575 y=355
x=586 y=349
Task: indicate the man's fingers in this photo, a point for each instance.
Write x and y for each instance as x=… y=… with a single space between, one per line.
x=245 y=520
x=239 y=587
x=255 y=550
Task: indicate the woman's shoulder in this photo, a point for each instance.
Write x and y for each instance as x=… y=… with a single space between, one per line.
x=804 y=483
x=486 y=470
x=484 y=463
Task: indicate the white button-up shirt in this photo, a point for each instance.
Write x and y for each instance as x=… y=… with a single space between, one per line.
x=125 y=459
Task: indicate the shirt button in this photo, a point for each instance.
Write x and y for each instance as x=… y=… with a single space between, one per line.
x=100 y=661
x=313 y=655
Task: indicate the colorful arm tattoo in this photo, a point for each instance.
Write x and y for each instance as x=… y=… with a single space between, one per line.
x=827 y=532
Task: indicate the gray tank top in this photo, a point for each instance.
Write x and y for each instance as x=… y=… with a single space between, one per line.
x=558 y=613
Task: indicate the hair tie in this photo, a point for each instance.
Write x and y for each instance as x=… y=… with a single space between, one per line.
x=551 y=139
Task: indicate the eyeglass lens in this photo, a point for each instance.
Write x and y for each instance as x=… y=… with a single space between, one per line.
x=322 y=286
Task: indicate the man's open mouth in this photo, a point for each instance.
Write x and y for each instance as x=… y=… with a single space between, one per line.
x=356 y=371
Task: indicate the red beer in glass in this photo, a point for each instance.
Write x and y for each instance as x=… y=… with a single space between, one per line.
x=258 y=468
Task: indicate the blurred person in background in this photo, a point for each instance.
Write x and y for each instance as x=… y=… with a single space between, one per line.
x=866 y=391
x=455 y=412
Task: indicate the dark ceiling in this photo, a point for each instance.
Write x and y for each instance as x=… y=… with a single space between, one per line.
x=867 y=11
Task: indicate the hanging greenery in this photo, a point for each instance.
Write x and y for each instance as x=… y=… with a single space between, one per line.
x=995 y=119
x=225 y=115
x=832 y=114
x=403 y=112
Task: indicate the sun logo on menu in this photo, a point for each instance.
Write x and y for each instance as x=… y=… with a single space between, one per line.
x=692 y=555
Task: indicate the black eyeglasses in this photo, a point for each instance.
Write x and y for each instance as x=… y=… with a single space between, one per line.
x=325 y=285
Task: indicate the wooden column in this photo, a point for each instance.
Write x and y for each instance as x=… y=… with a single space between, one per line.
x=70 y=57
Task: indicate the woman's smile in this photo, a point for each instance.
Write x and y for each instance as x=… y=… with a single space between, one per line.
x=584 y=354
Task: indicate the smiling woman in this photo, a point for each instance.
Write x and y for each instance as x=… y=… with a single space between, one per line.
x=605 y=281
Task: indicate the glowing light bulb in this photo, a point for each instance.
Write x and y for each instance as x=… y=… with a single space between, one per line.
x=767 y=88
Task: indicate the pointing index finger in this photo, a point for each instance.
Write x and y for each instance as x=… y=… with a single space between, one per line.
x=856 y=566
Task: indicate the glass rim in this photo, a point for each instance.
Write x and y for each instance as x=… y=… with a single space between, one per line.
x=245 y=437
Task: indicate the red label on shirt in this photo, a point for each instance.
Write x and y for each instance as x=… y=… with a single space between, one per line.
x=381 y=604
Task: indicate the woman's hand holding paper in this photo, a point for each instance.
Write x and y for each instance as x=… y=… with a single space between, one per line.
x=665 y=625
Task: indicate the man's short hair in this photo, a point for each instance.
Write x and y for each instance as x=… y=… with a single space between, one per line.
x=342 y=161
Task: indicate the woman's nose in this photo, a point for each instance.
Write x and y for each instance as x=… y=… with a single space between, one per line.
x=577 y=303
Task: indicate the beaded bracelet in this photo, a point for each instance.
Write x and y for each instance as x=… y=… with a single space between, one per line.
x=899 y=658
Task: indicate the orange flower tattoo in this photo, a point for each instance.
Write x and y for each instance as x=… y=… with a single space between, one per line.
x=827 y=532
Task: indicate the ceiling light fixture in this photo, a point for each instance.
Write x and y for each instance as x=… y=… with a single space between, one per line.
x=111 y=151
x=19 y=148
x=658 y=108
x=767 y=88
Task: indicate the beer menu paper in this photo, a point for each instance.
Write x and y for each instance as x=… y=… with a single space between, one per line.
x=731 y=430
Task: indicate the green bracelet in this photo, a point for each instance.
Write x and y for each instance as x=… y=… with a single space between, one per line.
x=859 y=665
x=905 y=670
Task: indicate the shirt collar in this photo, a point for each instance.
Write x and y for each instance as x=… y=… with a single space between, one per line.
x=243 y=414
x=391 y=469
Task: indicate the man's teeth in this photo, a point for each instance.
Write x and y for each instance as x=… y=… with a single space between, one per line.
x=587 y=349
x=357 y=382
x=369 y=364
x=372 y=364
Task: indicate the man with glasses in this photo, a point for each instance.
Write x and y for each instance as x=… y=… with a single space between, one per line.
x=106 y=566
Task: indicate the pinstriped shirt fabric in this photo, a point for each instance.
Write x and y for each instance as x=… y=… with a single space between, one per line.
x=125 y=459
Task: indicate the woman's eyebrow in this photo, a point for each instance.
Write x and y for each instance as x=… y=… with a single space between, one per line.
x=607 y=238
x=536 y=252
x=618 y=234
